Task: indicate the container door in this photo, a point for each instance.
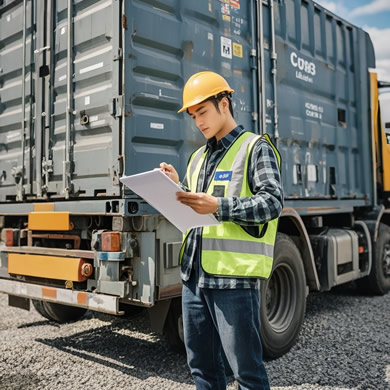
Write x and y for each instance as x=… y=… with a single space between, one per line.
x=84 y=143
x=16 y=125
x=166 y=42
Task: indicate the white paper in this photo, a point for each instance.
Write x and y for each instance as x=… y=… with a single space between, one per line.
x=160 y=192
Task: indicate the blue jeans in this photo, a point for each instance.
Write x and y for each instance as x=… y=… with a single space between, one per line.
x=228 y=319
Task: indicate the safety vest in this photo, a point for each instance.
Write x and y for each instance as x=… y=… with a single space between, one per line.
x=228 y=249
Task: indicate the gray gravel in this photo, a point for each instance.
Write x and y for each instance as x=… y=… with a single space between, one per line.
x=344 y=344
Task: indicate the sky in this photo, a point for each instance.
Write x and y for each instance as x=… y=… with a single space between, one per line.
x=374 y=17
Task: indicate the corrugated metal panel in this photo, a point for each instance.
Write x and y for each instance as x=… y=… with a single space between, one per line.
x=165 y=44
x=323 y=94
x=95 y=83
x=128 y=69
x=11 y=49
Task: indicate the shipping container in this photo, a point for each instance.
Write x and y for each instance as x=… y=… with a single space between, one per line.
x=89 y=91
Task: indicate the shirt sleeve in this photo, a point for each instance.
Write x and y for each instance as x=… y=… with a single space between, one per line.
x=265 y=183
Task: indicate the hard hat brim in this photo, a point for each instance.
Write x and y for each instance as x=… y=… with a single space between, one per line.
x=197 y=101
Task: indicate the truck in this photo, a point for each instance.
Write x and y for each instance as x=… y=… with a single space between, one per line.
x=89 y=91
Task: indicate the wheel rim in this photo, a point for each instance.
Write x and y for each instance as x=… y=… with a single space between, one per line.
x=386 y=260
x=281 y=297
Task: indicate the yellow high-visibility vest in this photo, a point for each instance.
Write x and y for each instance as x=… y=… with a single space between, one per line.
x=228 y=249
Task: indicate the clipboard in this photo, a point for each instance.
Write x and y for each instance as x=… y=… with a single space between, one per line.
x=156 y=188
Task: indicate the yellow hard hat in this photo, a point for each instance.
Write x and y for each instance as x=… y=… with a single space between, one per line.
x=200 y=86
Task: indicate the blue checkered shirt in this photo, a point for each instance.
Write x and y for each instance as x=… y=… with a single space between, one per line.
x=266 y=204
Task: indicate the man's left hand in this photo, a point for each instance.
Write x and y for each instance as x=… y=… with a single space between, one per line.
x=200 y=202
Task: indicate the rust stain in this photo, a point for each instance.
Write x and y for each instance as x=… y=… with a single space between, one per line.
x=188 y=48
x=124 y=22
x=170 y=291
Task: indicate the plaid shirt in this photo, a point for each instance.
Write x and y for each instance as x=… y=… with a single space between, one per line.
x=265 y=205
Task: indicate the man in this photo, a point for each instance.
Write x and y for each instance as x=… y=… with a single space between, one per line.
x=236 y=177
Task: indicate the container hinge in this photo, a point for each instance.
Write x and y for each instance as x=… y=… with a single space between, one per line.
x=117 y=106
x=18 y=173
x=119 y=54
x=117 y=171
x=47 y=165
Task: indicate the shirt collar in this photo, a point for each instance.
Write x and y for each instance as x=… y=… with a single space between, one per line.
x=226 y=141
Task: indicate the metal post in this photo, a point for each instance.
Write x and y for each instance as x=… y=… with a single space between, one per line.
x=69 y=109
x=19 y=173
x=274 y=58
x=260 y=62
x=253 y=55
x=48 y=161
x=39 y=93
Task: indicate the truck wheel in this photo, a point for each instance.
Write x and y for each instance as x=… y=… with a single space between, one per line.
x=283 y=299
x=38 y=305
x=378 y=281
x=57 y=312
x=173 y=328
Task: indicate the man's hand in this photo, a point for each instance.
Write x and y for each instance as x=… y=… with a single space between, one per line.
x=170 y=171
x=200 y=202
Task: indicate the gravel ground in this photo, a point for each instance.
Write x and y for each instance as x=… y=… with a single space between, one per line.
x=344 y=344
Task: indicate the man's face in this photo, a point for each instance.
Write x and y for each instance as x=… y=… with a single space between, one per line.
x=206 y=117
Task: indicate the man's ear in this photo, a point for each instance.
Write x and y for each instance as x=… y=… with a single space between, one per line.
x=225 y=104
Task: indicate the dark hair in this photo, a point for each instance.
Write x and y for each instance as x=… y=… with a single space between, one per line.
x=217 y=98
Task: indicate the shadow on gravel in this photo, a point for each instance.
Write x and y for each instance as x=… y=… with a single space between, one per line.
x=126 y=345
x=39 y=323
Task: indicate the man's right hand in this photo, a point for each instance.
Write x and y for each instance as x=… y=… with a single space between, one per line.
x=170 y=171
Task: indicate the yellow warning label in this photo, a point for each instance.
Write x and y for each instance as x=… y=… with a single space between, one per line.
x=226 y=17
x=237 y=50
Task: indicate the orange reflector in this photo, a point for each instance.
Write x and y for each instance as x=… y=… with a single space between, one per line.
x=111 y=242
x=51 y=267
x=361 y=249
x=82 y=298
x=48 y=292
x=46 y=220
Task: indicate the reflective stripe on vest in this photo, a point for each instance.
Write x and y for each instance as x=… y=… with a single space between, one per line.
x=218 y=244
x=193 y=164
x=227 y=249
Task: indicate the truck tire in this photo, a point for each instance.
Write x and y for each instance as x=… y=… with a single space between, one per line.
x=38 y=305
x=57 y=312
x=378 y=281
x=173 y=328
x=283 y=299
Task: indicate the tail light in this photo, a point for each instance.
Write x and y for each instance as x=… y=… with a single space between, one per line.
x=111 y=242
x=10 y=236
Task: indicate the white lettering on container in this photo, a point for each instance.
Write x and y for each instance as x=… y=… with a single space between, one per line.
x=305 y=68
x=313 y=110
